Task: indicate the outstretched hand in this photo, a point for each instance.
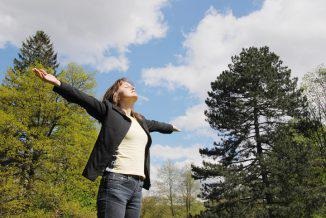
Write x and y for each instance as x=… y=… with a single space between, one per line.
x=46 y=76
x=175 y=129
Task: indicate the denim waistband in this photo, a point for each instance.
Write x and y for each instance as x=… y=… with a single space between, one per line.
x=137 y=177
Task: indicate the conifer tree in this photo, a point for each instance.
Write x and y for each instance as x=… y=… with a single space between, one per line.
x=246 y=104
x=36 y=49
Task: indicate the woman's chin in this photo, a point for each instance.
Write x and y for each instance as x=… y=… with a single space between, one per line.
x=134 y=97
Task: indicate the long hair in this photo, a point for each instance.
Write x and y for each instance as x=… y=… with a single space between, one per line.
x=111 y=95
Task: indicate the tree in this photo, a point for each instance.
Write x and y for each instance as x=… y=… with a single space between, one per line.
x=167 y=184
x=314 y=85
x=189 y=188
x=45 y=143
x=79 y=77
x=154 y=207
x=175 y=195
x=247 y=103
x=36 y=49
x=297 y=171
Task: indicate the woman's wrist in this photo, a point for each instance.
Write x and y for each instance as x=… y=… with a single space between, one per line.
x=57 y=83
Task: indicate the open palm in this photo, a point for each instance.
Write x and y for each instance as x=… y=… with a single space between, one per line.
x=46 y=76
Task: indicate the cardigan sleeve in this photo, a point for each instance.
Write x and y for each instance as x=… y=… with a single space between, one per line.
x=94 y=107
x=156 y=126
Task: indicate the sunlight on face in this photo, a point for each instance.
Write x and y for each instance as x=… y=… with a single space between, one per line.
x=127 y=90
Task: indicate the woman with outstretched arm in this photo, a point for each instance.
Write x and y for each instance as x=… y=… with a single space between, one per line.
x=121 y=154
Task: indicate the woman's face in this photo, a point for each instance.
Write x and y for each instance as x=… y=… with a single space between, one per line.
x=126 y=90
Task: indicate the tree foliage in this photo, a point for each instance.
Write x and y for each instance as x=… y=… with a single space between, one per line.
x=45 y=143
x=167 y=185
x=314 y=85
x=248 y=102
x=189 y=189
x=297 y=171
x=36 y=49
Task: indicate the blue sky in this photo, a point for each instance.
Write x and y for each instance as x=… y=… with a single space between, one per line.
x=171 y=50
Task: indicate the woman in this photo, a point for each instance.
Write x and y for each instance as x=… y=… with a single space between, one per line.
x=121 y=152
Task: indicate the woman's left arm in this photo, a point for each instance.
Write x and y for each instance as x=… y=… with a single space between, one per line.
x=156 y=126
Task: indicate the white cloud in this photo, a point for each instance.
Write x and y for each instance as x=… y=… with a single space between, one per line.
x=180 y=155
x=293 y=29
x=193 y=121
x=142 y=98
x=97 y=33
x=165 y=152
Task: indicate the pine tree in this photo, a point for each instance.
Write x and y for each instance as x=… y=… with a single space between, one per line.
x=36 y=49
x=247 y=103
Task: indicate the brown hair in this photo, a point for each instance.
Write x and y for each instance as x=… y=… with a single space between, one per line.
x=111 y=96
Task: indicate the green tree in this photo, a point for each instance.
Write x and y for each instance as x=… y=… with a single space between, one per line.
x=36 y=49
x=297 y=169
x=155 y=207
x=247 y=103
x=45 y=143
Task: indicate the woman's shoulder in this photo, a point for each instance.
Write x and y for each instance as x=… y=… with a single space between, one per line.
x=108 y=103
x=140 y=116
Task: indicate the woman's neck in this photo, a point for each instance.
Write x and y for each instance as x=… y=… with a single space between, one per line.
x=127 y=107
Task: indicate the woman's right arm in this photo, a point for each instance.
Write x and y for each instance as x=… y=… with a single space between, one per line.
x=94 y=107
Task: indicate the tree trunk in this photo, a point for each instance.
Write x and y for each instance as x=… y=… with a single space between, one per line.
x=171 y=202
x=260 y=158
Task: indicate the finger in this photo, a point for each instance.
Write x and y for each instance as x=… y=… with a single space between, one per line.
x=35 y=70
x=43 y=71
x=39 y=73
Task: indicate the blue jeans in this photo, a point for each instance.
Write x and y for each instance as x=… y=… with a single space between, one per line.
x=119 y=196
